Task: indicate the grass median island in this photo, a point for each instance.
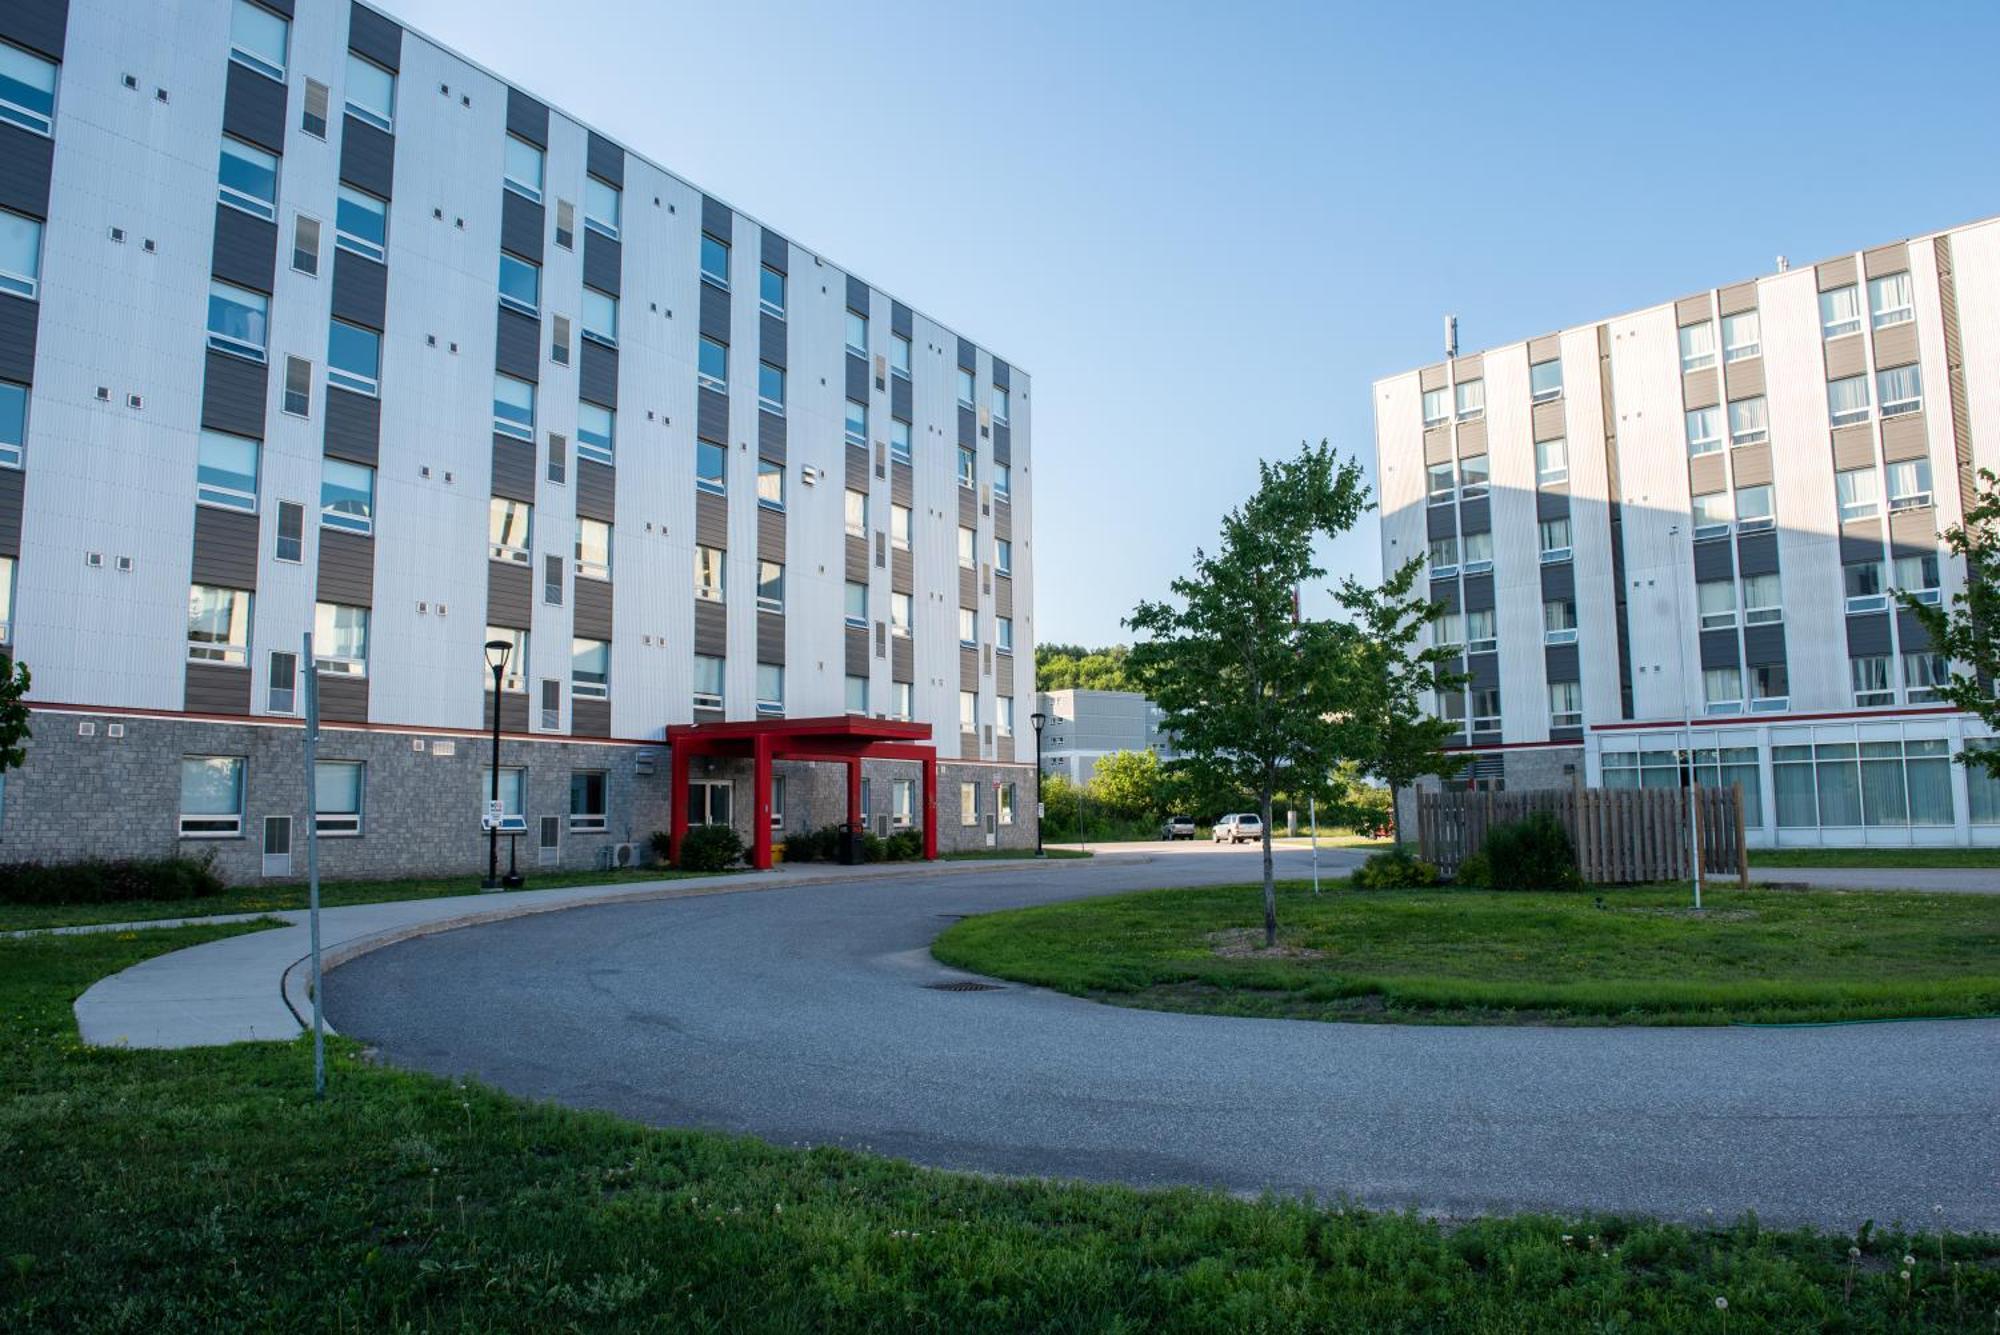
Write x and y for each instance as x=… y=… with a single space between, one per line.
x=206 y=1190
x=1465 y=956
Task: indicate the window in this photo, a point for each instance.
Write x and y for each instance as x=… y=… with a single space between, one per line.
x=237 y=317
x=337 y=797
x=899 y=354
x=1742 y=336
x=1437 y=407
x=1471 y=399
x=1001 y=404
x=1847 y=400
x=226 y=472
x=1889 y=300
x=593 y=549
x=1697 y=346
x=27 y=90
x=770 y=688
x=565 y=224
x=340 y=639
x=968 y=548
x=1556 y=540
x=312 y=114
x=708 y=574
x=1762 y=600
x=361 y=224
x=218 y=625
x=1003 y=796
x=770 y=586
x=290 y=544
x=284 y=690
x=709 y=802
x=298 y=387
x=1565 y=704
x=1753 y=508
x=857 y=423
x=715 y=261
x=1003 y=634
x=13 y=423
x=1481 y=633
x=523 y=169
x=1869 y=676
x=771 y=388
x=1716 y=600
x=1746 y=422
x=966 y=390
x=1473 y=476
x=347 y=496
x=1712 y=515
x=856 y=604
x=1444 y=557
x=967 y=467
x=552 y=579
x=712 y=365
x=1442 y=485
x=589 y=670
x=586 y=800
x=899 y=440
x=1770 y=688
x=1551 y=461
x=1545 y=381
x=21 y=262
x=900 y=608
x=247 y=179
x=968 y=804
x=510 y=525
x=905 y=700
x=968 y=627
x=1840 y=311
x=1486 y=709
x=1923 y=675
x=1704 y=430
x=1900 y=390
x=770 y=485
x=513 y=793
x=902 y=797
x=353 y=358
x=600 y=317
x=1918 y=577
x=520 y=284
x=711 y=463
x=771 y=292
x=211 y=797
x=1722 y=690
x=602 y=203
x=707 y=682
x=857 y=334
x=856 y=513
x=1860 y=493
x=857 y=695
x=596 y=432
x=1003 y=556
x=1863 y=581
x=1559 y=621
x=968 y=711
x=1478 y=552
x=1909 y=483
x=1983 y=790
x=371 y=92
x=899 y=527
x=559 y=344
x=1003 y=482
x=258 y=39
x=513 y=407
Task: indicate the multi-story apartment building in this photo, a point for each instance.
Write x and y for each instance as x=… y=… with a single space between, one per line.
x=1084 y=726
x=1685 y=524
x=308 y=324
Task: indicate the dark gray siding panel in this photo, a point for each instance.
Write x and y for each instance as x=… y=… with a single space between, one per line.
x=353 y=427
x=513 y=469
x=900 y=319
x=605 y=160
x=1003 y=375
x=1559 y=580
x=593 y=609
x=11 y=481
x=770 y=637
x=1484 y=669
x=513 y=710
x=968 y=578
x=25 y=162
x=1478 y=593
x=518 y=349
x=215 y=689
x=857 y=379
x=1763 y=644
x=346 y=568
x=360 y=289
x=225 y=547
x=367 y=157
x=1551 y=504
x=1757 y=554
x=510 y=595
x=253 y=108
x=343 y=698
x=714 y=312
x=1445 y=594
x=857 y=651
x=711 y=628
x=716 y=218
x=968 y=355
x=1476 y=516
x=597 y=373
x=1440 y=521
x=1003 y=443
x=1718 y=649
x=376 y=37
x=968 y=506
x=1711 y=561
x=36 y=24
x=711 y=416
x=521 y=222
x=770 y=437
x=590 y=718
x=1561 y=662
x=1911 y=634
x=857 y=471
x=773 y=344
x=603 y=258
x=711 y=520
x=857 y=295
x=1868 y=635
x=17 y=339
x=902 y=659
x=777 y=252
x=246 y=249
x=770 y=536
x=232 y=394
x=968 y=427
x=1865 y=544
x=595 y=488
x=900 y=398
x=527 y=118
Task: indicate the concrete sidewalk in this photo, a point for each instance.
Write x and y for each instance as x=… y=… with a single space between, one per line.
x=1947 y=880
x=256 y=987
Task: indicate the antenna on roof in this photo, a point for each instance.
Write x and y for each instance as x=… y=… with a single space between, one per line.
x=1783 y=264
x=1451 y=336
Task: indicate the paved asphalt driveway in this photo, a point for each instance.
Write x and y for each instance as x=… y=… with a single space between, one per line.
x=802 y=1016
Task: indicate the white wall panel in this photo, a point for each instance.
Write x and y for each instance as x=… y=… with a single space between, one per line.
x=1590 y=525
x=1975 y=258
x=1517 y=573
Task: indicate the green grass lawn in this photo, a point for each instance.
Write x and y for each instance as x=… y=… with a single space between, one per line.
x=332 y=894
x=1761 y=858
x=207 y=1190
x=1462 y=956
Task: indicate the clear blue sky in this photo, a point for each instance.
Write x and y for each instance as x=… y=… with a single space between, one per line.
x=1206 y=229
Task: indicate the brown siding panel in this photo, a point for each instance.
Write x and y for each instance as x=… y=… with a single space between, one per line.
x=1544 y=349
x=1752 y=464
x=1472 y=438
x=1549 y=420
x=902 y=572
x=902 y=484
x=771 y=537
x=1469 y=368
x=1699 y=389
x=1914 y=529
x=1003 y=596
x=347 y=569
x=1896 y=345
x=1437 y=445
x=1904 y=437
x=513 y=711
x=856 y=647
x=510 y=594
x=343 y=697
x=711 y=520
x=968 y=669
x=1853 y=446
x=1691 y=310
x=770 y=637
x=1706 y=474
x=1845 y=357
x=1885 y=260
x=1744 y=379
x=590 y=718
x=857 y=468
x=225 y=548
x=856 y=565
x=215 y=689
x=593 y=609
x=968 y=507
x=902 y=659
x=711 y=628
x=1836 y=273
x=596 y=485
x=968 y=587
x=1738 y=298
x=1432 y=377
x=1003 y=674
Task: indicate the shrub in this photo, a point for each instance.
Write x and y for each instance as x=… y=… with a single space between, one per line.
x=1395 y=869
x=1475 y=872
x=906 y=845
x=710 y=848
x=110 y=881
x=662 y=844
x=874 y=848
x=1531 y=854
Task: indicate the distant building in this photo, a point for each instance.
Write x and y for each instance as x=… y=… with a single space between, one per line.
x=1085 y=726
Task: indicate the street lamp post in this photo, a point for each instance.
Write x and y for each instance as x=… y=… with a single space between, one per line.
x=1039 y=720
x=496 y=658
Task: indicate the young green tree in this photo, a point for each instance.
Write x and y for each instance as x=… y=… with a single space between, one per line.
x=1127 y=784
x=14 y=681
x=1250 y=694
x=1967 y=632
x=1390 y=734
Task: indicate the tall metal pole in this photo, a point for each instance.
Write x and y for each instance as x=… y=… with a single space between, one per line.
x=1312 y=814
x=1038 y=787
x=1687 y=712
x=493 y=829
x=312 y=857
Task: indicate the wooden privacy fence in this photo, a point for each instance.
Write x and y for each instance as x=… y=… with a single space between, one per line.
x=1622 y=835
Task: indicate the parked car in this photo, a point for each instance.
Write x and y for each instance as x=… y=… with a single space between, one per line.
x=1177 y=827
x=1238 y=828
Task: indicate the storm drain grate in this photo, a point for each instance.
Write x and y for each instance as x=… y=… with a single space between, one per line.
x=963 y=985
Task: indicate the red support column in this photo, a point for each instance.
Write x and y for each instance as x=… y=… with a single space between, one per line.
x=760 y=839
x=677 y=799
x=853 y=791
x=930 y=804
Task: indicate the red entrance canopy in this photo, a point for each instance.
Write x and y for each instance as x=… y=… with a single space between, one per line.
x=846 y=739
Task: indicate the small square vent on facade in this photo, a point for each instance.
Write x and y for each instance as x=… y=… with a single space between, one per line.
x=86 y=729
x=95 y=560
x=444 y=747
x=114 y=730
x=118 y=234
x=417 y=745
x=134 y=401
x=151 y=246
x=104 y=393
x=131 y=81
x=125 y=564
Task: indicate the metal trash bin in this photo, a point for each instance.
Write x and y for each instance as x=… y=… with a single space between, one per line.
x=851 y=854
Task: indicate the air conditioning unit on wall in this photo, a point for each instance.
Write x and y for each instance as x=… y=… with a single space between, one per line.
x=617 y=855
